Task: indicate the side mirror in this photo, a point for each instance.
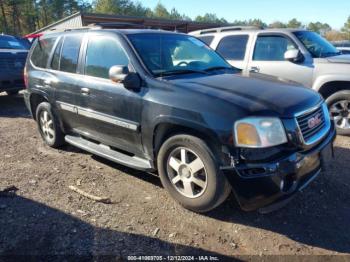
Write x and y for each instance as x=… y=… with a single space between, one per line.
x=293 y=56
x=121 y=74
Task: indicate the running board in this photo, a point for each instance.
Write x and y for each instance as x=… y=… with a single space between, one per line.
x=106 y=152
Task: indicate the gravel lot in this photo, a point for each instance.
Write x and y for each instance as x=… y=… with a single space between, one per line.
x=45 y=217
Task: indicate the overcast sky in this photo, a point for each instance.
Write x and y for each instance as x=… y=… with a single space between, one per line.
x=333 y=12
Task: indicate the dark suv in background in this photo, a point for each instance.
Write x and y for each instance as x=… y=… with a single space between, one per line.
x=156 y=100
x=13 y=54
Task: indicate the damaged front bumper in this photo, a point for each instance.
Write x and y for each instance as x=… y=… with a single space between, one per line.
x=271 y=185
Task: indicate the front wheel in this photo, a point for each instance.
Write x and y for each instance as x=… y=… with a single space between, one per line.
x=190 y=173
x=339 y=107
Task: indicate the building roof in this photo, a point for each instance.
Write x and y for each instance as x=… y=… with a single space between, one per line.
x=84 y=19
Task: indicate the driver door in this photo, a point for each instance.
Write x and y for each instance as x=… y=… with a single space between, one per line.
x=268 y=58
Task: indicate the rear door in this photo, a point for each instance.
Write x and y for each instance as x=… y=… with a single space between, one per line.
x=108 y=112
x=62 y=76
x=233 y=49
x=268 y=58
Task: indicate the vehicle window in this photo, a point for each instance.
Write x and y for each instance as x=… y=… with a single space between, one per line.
x=206 y=39
x=316 y=44
x=272 y=48
x=233 y=47
x=70 y=54
x=55 y=63
x=103 y=53
x=42 y=51
x=10 y=42
x=166 y=54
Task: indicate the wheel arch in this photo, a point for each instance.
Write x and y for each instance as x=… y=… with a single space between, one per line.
x=35 y=99
x=331 y=87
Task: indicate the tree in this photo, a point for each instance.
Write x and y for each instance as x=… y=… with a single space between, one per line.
x=319 y=27
x=160 y=11
x=346 y=29
x=294 y=23
x=210 y=18
x=277 y=24
x=335 y=35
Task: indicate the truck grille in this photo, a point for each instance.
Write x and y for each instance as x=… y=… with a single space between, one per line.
x=311 y=123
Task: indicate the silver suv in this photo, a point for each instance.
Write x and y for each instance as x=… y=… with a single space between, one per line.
x=298 y=55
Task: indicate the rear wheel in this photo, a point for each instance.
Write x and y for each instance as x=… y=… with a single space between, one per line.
x=339 y=107
x=48 y=126
x=190 y=172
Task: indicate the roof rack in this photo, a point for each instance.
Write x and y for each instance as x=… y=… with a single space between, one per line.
x=109 y=25
x=225 y=29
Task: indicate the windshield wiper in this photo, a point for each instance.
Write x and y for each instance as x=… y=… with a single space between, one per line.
x=180 y=72
x=217 y=68
x=328 y=54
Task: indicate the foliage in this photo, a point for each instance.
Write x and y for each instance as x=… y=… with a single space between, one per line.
x=319 y=28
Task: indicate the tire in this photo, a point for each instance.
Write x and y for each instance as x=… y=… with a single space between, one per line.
x=339 y=106
x=213 y=188
x=12 y=92
x=48 y=125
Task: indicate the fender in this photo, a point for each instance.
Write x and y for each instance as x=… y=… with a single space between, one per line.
x=324 y=79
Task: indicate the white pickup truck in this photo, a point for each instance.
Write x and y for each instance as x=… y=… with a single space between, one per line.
x=293 y=54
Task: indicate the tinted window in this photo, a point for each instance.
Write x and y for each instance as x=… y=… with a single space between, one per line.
x=272 y=48
x=70 y=54
x=166 y=54
x=42 y=52
x=10 y=42
x=233 y=47
x=206 y=39
x=103 y=53
x=55 y=64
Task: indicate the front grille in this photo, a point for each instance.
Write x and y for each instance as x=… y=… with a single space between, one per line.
x=308 y=131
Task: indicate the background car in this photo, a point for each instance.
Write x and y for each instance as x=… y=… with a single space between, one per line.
x=298 y=55
x=13 y=54
x=343 y=46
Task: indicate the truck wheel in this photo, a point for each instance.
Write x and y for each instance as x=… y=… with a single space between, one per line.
x=190 y=173
x=339 y=107
x=48 y=126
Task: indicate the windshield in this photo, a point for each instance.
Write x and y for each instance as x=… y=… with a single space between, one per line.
x=10 y=42
x=316 y=45
x=168 y=54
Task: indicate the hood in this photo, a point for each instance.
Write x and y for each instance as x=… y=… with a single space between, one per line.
x=343 y=59
x=254 y=94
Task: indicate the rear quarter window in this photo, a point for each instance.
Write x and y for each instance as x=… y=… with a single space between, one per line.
x=233 y=47
x=206 y=39
x=42 y=51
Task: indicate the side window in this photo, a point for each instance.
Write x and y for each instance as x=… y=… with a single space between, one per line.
x=206 y=39
x=42 y=51
x=272 y=48
x=103 y=53
x=55 y=63
x=233 y=47
x=70 y=54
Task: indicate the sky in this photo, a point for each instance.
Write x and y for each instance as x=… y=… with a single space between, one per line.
x=333 y=12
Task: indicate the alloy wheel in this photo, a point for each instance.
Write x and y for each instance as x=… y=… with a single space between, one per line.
x=340 y=112
x=186 y=172
x=46 y=125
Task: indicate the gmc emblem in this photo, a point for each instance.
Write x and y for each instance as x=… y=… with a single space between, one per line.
x=314 y=121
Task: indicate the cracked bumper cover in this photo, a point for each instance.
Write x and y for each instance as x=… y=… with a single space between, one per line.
x=279 y=180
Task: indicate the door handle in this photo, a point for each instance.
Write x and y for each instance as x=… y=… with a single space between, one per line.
x=254 y=69
x=85 y=91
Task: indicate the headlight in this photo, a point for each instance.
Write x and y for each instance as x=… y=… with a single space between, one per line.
x=259 y=132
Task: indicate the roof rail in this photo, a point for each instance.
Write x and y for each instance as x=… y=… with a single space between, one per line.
x=225 y=29
x=109 y=25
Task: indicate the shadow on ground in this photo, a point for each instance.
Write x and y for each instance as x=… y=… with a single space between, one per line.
x=13 y=106
x=318 y=217
x=31 y=228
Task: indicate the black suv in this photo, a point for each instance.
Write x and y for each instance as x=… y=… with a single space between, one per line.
x=13 y=54
x=155 y=100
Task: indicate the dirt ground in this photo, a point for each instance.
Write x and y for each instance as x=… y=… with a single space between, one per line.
x=44 y=217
